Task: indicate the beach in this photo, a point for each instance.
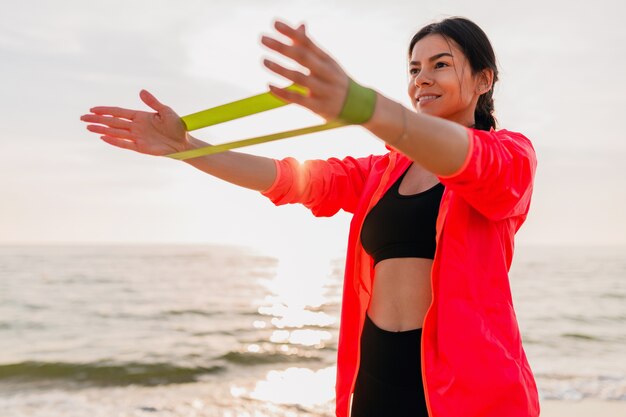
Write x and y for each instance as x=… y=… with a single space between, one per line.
x=583 y=408
x=205 y=330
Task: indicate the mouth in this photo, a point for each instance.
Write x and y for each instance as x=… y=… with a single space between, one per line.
x=426 y=99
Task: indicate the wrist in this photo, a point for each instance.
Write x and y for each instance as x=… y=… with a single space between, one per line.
x=359 y=104
x=191 y=143
x=390 y=121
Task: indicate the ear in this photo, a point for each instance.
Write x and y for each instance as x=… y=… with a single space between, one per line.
x=485 y=81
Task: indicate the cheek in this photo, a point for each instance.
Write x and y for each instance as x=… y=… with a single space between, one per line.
x=459 y=93
x=468 y=89
x=450 y=83
x=411 y=91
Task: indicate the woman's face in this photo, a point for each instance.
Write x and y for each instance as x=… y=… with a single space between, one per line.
x=440 y=69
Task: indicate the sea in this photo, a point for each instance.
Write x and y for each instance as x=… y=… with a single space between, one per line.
x=217 y=330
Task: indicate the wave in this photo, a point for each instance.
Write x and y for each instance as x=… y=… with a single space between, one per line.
x=193 y=312
x=249 y=358
x=105 y=374
x=209 y=313
x=580 y=336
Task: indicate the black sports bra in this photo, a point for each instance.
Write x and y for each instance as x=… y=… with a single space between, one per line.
x=402 y=226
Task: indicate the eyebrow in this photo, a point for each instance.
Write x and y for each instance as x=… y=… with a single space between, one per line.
x=433 y=58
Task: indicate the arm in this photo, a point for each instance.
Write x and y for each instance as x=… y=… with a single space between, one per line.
x=163 y=132
x=498 y=174
x=249 y=171
x=437 y=144
x=323 y=186
x=493 y=171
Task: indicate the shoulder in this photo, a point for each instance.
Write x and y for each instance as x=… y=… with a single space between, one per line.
x=503 y=134
x=509 y=138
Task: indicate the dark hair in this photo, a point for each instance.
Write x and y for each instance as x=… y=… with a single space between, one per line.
x=476 y=47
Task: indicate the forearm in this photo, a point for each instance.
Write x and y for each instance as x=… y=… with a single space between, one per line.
x=249 y=171
x=437 y=144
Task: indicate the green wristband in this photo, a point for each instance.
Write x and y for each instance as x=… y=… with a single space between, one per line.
x=359 y=105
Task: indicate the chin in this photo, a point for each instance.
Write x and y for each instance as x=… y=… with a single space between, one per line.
x=434 y=114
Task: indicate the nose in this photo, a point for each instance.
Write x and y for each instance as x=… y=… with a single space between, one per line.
x=422 y=78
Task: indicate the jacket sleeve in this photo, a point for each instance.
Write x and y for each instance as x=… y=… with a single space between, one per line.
x=497 y=175
x=323 y=186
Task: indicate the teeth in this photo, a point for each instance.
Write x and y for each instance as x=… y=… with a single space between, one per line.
x=425 y=97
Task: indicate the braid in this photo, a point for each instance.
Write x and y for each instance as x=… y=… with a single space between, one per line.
x=483 y=114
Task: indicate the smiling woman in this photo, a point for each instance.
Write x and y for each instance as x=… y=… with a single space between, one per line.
x=427 y=323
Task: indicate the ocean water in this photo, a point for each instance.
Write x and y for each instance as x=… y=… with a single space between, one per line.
x=205 y=330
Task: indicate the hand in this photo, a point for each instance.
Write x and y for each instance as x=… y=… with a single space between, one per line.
x=327 y=82
x=159 y=133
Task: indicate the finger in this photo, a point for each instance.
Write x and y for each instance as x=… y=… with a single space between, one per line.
x=305 y=56
x=119 y=133
x=326 y=70
x=300 y=54
x=106 y=120
x=120 y=143
x=314 y=85
x=114 y=111
x=152 y=102
x=299 y=36
x=295 y=76
x=295 y=98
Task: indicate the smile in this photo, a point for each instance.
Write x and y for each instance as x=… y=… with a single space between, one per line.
x=427 y=99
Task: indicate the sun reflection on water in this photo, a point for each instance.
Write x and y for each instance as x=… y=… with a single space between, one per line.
x=298 y=293
x=301 y=337
x=296 y=299
x=294 y=385
x=294 y=315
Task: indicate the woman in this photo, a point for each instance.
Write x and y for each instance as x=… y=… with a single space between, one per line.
x=427 y=323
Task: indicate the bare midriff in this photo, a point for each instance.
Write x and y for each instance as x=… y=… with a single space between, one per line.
x=401 y=294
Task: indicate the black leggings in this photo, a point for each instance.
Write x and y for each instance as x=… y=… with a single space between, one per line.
x=389 y=382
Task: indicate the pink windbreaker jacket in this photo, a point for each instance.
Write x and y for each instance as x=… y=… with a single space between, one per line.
x=473 y=362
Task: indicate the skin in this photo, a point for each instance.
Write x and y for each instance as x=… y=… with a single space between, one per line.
x=434 y=137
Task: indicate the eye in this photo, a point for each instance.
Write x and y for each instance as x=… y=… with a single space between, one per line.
x=441 y=63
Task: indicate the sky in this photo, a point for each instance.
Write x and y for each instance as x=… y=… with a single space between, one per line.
x=562 y=84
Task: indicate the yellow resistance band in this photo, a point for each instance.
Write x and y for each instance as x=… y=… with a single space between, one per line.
x=242 y=108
